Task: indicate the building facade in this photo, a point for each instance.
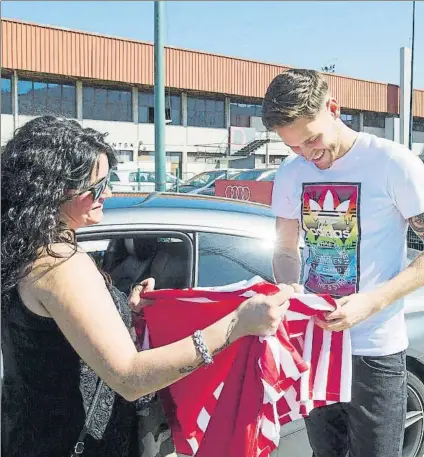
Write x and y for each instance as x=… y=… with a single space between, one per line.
x=213 y=103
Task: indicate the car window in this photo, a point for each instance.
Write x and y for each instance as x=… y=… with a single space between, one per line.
x=250 y=175
x=225 y=259
x=203 y=179
x=96 y=249
x=270 y=176
x=114 y=177
x=141 y=176
x=170 y=179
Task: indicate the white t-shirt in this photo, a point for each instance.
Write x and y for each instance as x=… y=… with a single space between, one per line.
x=354 y=221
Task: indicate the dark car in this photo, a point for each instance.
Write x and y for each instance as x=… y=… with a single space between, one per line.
x=257 y=174
x=204 y=183
x=190 y=241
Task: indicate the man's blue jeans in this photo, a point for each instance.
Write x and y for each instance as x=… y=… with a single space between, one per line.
x=372 y=424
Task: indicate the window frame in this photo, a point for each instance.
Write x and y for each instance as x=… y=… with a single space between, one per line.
x=238 y=117
x=64 y=101
x=418 y=122
x=113 y=103
x=203 y=113
x=102 y=233
x=374 y=119
x=170 y=98
x=3 y=98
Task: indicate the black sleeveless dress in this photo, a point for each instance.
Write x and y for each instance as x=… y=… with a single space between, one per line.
x=47 y=390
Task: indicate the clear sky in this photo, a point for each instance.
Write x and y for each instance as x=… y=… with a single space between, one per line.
x=362 y=38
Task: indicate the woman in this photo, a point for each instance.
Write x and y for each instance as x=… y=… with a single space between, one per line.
x=64 y=326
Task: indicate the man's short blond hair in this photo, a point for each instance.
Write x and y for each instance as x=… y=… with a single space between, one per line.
x=293 y=94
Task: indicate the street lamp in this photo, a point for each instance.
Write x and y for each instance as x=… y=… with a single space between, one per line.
x=411 y=106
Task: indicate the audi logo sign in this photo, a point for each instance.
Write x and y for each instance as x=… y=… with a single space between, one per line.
x=238 y=193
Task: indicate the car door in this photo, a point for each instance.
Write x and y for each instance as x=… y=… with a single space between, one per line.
x=229 y=258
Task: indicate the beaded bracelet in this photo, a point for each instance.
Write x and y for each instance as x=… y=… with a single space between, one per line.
x=200 y=345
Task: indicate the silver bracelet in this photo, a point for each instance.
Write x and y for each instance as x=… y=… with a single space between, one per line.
x=200 y=345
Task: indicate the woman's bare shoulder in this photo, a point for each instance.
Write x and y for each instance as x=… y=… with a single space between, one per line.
x=60 y=260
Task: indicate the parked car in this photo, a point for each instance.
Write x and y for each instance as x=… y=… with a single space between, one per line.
x=204 y=183
x=138 y=181
x=190 y=241
x=257 y=174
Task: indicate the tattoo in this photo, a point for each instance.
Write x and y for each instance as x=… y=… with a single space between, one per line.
x=227 y=337
x=417 y=225
x=189 y=369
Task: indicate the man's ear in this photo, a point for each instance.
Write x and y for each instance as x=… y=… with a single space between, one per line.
x=334 y=107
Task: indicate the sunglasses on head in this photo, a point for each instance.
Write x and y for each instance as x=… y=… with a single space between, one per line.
x=98 y=189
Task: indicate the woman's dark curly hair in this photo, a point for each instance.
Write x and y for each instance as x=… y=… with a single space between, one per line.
x=47 y=158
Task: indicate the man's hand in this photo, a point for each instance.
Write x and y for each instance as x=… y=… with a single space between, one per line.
x=135 y=302
x=352 y=309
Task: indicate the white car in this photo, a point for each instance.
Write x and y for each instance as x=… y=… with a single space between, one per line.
x=138 y=181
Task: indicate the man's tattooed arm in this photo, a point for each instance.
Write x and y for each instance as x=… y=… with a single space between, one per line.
x=417 y=225
x=190 y=368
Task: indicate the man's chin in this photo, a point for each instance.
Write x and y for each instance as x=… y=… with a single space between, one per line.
x=324 y=163
x=325 y=166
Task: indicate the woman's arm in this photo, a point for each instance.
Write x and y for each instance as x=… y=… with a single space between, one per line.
x=75 y=295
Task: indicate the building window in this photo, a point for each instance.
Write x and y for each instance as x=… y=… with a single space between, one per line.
x=6 y=96
x=204 y=112
x=146 y=108
x=375 y=120
x=351 y=120
x=240 y=113
x=418 y=124
x=124 y=156
x=105 y=104
x=41 y=97
x=346 y=118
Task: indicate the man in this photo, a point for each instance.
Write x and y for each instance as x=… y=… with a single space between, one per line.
x=353 y=196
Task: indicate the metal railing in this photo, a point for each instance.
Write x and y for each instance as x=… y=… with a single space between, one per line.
x=414 y=242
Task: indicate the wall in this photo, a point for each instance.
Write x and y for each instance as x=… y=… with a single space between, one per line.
x=375 y=131
x=6 y=128
x=417 y=137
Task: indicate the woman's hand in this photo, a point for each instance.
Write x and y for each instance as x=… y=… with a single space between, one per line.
x=135 y=302
x=261 y=315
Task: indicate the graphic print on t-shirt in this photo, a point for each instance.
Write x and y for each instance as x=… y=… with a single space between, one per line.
x=330 y=219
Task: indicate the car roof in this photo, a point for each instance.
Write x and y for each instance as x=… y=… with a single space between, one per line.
x=173 y=210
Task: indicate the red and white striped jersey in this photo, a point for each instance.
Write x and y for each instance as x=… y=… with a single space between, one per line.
x=236 y=406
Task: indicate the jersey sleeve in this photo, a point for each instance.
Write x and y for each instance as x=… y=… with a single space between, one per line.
x=285 y=199
x=405 y=180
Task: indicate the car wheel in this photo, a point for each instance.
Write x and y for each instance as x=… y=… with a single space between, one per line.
x=414 y=427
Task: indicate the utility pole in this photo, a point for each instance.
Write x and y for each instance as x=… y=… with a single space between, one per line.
x=411 y=105
x=159 y=64
x=267 y=150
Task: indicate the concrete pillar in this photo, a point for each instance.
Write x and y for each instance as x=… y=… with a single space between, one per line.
x=405 y=94
x=396 y=129
x=134 y=104
x=392 y=129
x=184 y=164
x=79 y=91
x=15 y=100
x=361 y=121
x=184 y=109
x=227 y=112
